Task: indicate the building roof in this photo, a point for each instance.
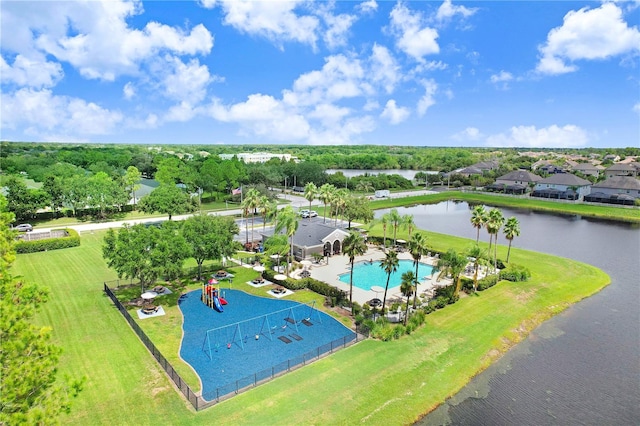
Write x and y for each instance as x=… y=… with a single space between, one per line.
x=619 y=182
x=566 y=179
x=314 y=233
x=585 y=167
x=621 y=167
x=521 y=176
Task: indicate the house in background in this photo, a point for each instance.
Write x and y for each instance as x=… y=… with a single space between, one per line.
x=563 y=186
x=588 y=169
x=621 y=169
x=515 y=182
x=615 y=190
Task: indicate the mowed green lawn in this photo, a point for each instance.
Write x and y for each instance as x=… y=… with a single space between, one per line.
x=371 y=382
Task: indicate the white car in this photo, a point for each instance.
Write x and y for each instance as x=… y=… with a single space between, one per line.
x=309 y=213
x=24 y=227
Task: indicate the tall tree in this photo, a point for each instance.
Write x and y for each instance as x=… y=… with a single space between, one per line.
x=494 y=224
x=325 y=195
x=417 y=248
x=288 y=221
x=407 y=222
x=250 y=203
x=479 y=257
x=31 y=392
x=54 y=189
x=209 y=237
x=132 y=182
x=478 y=219
x=352 y=246
x=390 y=265
x=511 y=230
x=23 y=202
x=167 y=199
x=310 y=193
x=408 y=288
x=452 y=263
x=396 y=220
x=358 y=208
x=145 y=253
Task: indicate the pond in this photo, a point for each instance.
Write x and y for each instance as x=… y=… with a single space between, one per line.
x=580 y=367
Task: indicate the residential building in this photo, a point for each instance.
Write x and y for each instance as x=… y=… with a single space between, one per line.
x=257 y=157
x=621 y=169
x=615 y=190
x=315 y=236
x=588 y=169
x=562 y=186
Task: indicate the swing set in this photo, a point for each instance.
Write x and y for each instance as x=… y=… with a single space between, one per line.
x=240 y=333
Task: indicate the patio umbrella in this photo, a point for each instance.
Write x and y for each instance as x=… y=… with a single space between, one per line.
x=400 y=241
x=213 y=281
x=149 y=295
x=259 y=268
x=375 y=303
x=377 y=289
x=305 y=263
x=280 y=277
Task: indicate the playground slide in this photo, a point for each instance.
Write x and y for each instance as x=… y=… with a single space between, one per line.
x=216 y=303
x=223 y=301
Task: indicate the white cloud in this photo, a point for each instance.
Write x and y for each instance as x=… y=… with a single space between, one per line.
x=274 y=20
x=384 y=68
x=44 y=114
x=185 y=82
x=587 y=34
x=636 y=108
x=393 y=113
x=446 y=11
x=367 y=6
x=95 y=36
x=568 y=136
x=428 y=99
x=338 y=27
x=29 y=72
x=470 y=134
x=502 y=79
x=129 y=90
x=412 y=37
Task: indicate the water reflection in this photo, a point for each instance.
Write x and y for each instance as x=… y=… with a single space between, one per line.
x=582 y=366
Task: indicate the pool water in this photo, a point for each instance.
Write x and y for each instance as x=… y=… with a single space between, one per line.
x=366 y=275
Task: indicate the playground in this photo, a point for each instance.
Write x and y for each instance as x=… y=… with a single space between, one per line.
x=252 y=338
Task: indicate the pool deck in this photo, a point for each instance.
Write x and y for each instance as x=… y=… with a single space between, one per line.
x=339 y=264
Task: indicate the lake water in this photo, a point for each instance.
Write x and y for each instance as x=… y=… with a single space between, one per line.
x=407 y=174
x=580 y=367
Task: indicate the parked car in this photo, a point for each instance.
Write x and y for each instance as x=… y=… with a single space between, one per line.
x=303 y=213
x=24 y=227
x=309 y=213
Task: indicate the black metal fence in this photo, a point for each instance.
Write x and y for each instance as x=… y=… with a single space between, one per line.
x=201 y=402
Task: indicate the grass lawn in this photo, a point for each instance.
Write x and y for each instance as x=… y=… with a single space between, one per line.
x=371 y=382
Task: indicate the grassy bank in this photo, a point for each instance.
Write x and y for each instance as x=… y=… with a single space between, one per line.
x=588 y=210
x=372 y=382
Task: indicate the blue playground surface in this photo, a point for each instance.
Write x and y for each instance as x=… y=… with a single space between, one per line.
x=222 y=347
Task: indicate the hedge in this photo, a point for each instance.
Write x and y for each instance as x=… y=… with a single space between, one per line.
x=71 y=240
x=515 y=273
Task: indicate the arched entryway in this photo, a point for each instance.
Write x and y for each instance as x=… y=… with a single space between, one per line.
x=337 y=247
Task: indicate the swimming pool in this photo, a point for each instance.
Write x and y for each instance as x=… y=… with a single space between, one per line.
x=367 y=274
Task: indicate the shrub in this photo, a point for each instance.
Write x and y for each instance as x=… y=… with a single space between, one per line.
x=356 y=308
x=441 y=302
x=515 y=273
x=487 y=282
x=72 y=239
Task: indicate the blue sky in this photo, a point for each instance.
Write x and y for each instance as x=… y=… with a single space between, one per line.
x=425 y=73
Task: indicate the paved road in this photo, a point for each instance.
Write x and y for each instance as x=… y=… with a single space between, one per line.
x=297 y=202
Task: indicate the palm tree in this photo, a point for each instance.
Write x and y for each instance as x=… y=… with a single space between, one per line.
x=408 y=288
x=494 y=224
x=272 y=211
x=395 y=220
x=417 y=248
x=353 y=245
x=478 y=219
x=479 y=257
x=407 y=222
x=326 y=194
x=288 y=221
x=340 y=200
x=364 y=186
x=252 y=201
x=390 y=265
x=263 y=207
x=310 y=193
x=452 y=263
x=384 y=220
x=511 y=230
